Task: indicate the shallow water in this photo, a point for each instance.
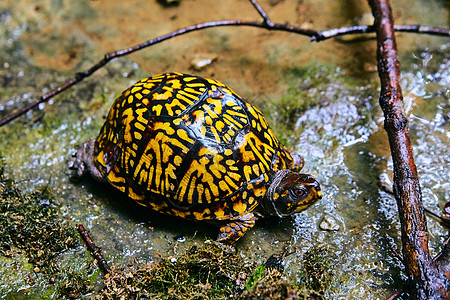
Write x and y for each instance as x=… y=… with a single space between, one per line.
x=320 y=98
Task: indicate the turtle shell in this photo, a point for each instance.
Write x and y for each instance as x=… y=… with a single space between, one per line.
x=188 y=146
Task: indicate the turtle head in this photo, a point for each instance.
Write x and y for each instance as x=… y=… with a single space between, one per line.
x=290 y=193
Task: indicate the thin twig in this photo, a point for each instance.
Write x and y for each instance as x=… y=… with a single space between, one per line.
x=444 y=221
x=110 y=56
x=261 y=12
x=422 y=29
x=332 y=33
x=96 y=251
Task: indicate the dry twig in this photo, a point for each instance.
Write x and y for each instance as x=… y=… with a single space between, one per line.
x=96 y=251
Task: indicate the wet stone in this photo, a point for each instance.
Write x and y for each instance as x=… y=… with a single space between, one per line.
x=386 y=183
x=328 y=223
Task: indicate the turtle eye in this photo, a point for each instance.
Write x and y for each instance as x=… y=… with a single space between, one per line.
x=298 y=193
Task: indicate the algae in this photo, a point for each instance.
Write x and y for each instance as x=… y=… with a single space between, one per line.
x=32 y=224
x=33 y=237
x=207 y=271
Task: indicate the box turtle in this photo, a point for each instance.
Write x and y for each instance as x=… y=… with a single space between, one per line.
x=190 y=147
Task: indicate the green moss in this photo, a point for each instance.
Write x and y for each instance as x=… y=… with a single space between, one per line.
x=318 y=263
x=74 y=286
x=32 y=227
x=207 y=272
x=31 y=223
x=33 y=236
x=273 y=285
x=256 y=275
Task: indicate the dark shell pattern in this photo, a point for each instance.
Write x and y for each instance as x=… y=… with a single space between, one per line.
x=189 y=146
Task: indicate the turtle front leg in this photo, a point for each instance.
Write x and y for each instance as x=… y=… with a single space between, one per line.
x=231 y=232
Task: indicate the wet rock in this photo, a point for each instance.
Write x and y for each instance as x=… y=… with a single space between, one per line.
x=328 y=223
x=446 y=211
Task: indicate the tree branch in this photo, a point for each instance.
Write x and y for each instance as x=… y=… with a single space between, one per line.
x=261 y=12
x=427 y=282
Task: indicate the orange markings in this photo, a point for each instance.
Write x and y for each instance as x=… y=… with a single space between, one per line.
x=239 y=207
x=130 y=99
x=255 y=169
x=177 y=121
x=220 y=125
x=182 y=134
x=174 y=103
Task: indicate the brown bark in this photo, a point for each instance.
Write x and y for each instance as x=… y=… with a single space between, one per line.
x=426 y=280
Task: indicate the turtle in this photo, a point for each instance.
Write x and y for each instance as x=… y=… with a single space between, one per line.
x=190 y=147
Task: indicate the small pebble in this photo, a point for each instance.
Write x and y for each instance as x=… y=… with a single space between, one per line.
x=366 y=19
x=201 y=62
x=328 y=223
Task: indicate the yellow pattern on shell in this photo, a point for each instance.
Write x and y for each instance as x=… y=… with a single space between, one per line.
x=190 y=140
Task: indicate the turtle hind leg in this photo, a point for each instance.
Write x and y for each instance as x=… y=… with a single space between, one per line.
x=234 y=230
